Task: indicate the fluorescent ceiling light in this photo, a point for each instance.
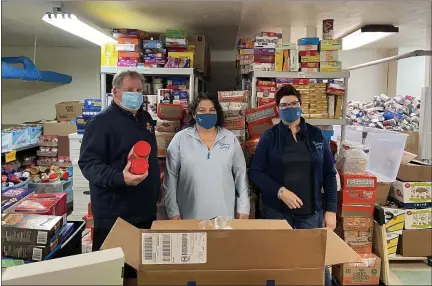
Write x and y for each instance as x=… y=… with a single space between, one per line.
x=366 y=35
x=71 y=24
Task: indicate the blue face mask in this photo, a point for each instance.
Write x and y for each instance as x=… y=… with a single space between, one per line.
x=290 y=114
x=207 y=120
x=132 y=100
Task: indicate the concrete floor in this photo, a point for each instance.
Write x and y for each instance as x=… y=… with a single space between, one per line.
x=410 y=273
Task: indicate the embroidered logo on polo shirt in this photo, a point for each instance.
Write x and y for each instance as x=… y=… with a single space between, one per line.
x=224 y=146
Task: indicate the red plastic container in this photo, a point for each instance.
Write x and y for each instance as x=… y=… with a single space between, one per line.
x=139 y=166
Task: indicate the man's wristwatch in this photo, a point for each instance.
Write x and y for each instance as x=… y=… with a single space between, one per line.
x=279 y=194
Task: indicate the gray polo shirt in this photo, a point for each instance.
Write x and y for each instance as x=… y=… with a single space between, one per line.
x=200 y=183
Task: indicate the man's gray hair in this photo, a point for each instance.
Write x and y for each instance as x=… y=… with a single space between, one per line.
x=118 y=78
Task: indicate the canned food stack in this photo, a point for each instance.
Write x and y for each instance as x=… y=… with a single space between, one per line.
x=309 y=55
x=400 y=113
x=234 y=104
x=264 y=50
x=245 y=57
x=329 y=49
x=355 y=221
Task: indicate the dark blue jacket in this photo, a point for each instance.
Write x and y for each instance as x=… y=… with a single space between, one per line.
x=267 y=165
x=107 y=140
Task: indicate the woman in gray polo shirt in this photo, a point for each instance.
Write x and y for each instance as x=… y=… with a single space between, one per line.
x=205 y=172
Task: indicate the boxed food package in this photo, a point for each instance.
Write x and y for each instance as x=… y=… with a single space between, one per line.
x=293 y=61
x=366 y=272
x=308 y=41
x=12 y=197
x=357 y=196
x=260 y=119
x=35 y=132
x=412 y=194
x=356 y=230
x=234 y=124
x=129 y=33
x=171 y=126
x=392 y=243
x=364 y=181
x=109 y=55
x=356 y=210
x=338 y=110
x=391 y=217
x=416 y=243
x=163 y=139
x=329 y=56
x=44 y=204
x=263 y=67
x=68 y=110
x=331 y=45
x=30 y=228
x=330 y=66
x=234 y=110
x=418 y=218
x=168 y=111
x=308 y=47
x=233 y=96
x=205 y=250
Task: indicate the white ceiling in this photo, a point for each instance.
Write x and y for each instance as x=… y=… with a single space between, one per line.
x=221 y=21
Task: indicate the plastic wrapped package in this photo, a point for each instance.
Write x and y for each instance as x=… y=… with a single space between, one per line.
x=217 y=223
x=352 y=158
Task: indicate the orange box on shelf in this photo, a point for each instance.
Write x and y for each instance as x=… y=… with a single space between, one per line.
x=133 y=55
x=130 y=41
x=364 y=181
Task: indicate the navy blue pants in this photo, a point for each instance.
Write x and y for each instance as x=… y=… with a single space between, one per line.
x=307 y=221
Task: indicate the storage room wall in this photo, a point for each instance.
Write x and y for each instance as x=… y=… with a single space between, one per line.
x=30 y=101
x=410 y=74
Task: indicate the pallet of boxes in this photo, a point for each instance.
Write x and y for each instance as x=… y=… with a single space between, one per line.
x=355 y=222
x=411 y=193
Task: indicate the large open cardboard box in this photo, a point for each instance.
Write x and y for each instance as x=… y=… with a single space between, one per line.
x=252 y=253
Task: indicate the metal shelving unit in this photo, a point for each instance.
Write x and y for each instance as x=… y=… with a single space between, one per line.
x=254 y=75
x=195 y=78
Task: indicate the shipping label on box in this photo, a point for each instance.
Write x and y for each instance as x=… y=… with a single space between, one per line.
x=412 y=194
x=418 y=218
x=359 y=181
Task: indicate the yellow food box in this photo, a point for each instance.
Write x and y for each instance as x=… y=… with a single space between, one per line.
x=310 y=59
x=331 y=66
x=188 y=55
x=392 y=243
x=109 y=55
x=279 y=60
x=331 y=45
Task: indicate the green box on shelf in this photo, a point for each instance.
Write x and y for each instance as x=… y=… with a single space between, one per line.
x=176 y=34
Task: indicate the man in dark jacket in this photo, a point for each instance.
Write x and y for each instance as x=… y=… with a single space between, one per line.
x=107 y=141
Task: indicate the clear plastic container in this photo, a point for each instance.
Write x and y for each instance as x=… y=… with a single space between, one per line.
x=385 y=150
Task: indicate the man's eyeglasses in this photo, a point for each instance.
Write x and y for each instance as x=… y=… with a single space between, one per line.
x=293 y=104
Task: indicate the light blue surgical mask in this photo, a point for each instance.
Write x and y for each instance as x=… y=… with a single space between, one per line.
x=132 y=100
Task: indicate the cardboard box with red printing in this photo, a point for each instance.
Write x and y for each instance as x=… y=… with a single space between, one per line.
x=364 y=181
x=233 y=96
x=44 y=204
x=260 y=119
x=357 y=196
x=265 y=100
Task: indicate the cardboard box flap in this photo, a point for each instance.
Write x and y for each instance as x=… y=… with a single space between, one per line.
x=337 y=251
x=195 y=224
x=127 y=237
x=248 y=249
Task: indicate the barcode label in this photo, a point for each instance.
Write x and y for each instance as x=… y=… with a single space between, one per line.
x=174 y=248
x=42 y=237
x=166 y=248
x=37 y=254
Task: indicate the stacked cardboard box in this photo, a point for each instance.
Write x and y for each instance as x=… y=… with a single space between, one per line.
x=128 y=48
x=355 y=226
x=264 y=51
x=309 y=54
x=329 y=55
x=234 y=104
x=392 y=219
x=245 y=57
x=154 y=53
x=266 y=91
x=314 y=98
x=286 y=58
x=179 y=54
x=167 y=125
x=30 y=236
x=335 y=97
